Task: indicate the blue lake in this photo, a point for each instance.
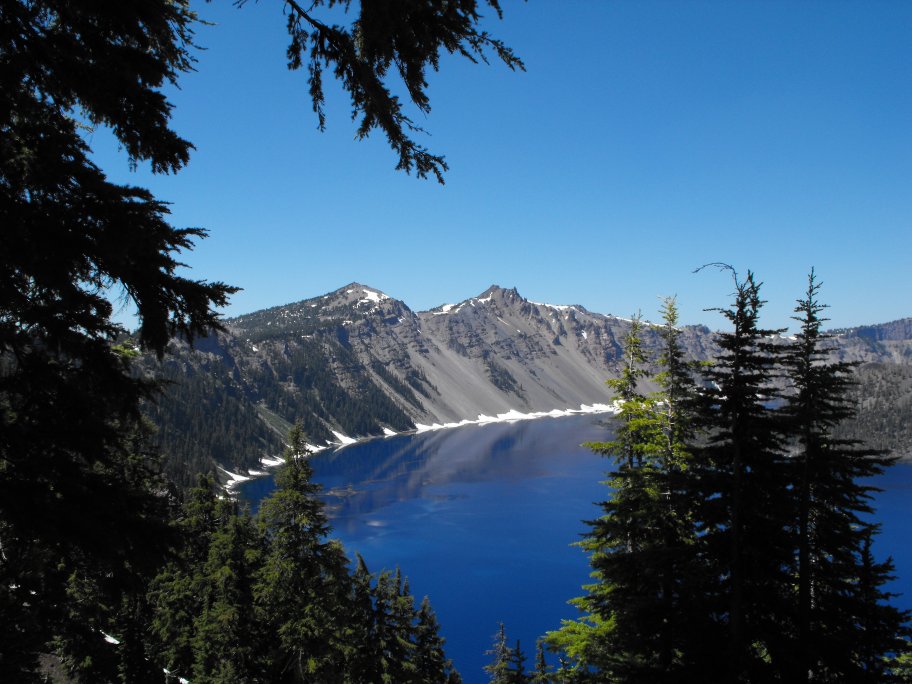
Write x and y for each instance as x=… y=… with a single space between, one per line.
x=482 y=519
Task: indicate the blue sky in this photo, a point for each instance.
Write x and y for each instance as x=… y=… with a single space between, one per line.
x=644 y=139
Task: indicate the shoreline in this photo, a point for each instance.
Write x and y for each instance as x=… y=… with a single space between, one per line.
x=511 y=416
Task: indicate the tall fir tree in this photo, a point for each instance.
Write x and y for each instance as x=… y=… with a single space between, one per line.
x=736 y=545
x=518 y=674
x=365 y=657
x=542 y=673
x=393 y=614
x=635 y=625
x=303 y=578
x=69 y=400
x=845 y=629
x=431 y=663
x=745 y=506
x=507 y=664
x=227 y=641
x=616 y=539
x=102 y=635
x=678 y=577
x=175 y=594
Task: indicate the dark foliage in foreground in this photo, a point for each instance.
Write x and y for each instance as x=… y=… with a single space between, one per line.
x=85 y=516
x=736 y=543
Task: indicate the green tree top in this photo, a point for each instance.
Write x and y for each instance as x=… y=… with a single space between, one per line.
x=69 y=401
x=404 y=38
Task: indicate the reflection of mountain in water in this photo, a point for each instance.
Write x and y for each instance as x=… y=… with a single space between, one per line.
x=362 y=479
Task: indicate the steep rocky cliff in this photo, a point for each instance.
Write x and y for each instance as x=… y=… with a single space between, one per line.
x=356 y=362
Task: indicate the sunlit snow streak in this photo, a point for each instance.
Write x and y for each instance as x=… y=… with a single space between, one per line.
x=513 y=415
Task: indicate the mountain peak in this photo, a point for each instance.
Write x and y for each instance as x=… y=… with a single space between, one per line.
x=500 y=293
x=356 y=288
x=357 y=294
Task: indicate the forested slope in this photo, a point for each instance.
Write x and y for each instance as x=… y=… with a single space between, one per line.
x=356 y=363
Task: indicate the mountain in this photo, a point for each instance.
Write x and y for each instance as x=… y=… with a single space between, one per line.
x=356 y=362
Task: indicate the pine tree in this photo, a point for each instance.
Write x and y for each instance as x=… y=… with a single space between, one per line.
x=69 y=399
x=603 y=638
x=227 y=641
x=102 y=633
x=23 y=575
x=622 y=537
x=901 y=667
x=176 y=593
x=431 y=664
x=736 y=545
x=107 y=640
x=844 y=627
x=745 y=506
x=674 y=560
x=499 y=667
x=642 y=548
x=507 y=664
x=302 y=579
x=388 y=640
x=364 y=657
x=69 y=403
x=878 y=631
x=394 y=614
x=542 y=673
x=409 y=40
x=517 y=662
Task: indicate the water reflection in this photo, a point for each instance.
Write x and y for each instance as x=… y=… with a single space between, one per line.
x=361 y=481
x=481 y=519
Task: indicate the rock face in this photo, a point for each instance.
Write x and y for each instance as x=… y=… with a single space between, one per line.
x=488 y=354
x=884 y=343
x=357 y=362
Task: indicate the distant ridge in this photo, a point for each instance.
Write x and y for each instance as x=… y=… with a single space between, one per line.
x=356 y=362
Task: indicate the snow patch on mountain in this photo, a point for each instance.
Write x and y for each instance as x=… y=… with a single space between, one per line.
x=344 y=440
x=513 y=416
x=557 y=307
x=371 y=296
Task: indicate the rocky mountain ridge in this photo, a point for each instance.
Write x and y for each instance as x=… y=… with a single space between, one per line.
x=356 y=362
x=488 y=354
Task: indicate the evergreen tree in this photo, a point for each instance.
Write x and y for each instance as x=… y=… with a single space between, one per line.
x=679 y=574
x=844 y=627
x=410 y=40
x=227 y=641
x=507 y=664
x=24 y=574
x=542 y=673
x=736 y=545
x=68 y=399
x=302 y=579
x=102 y=630
x=881 y=632
x=393 y=613
x=635 y=623
x=176 y=594
x=620 y=537
x=745 y=505
x=333 y=625
x=107 y=640
x=901 y=667
x=518 y=665
x=365 y=655
x=431 y=663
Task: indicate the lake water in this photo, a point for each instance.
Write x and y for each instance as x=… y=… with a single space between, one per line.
x=481 y=519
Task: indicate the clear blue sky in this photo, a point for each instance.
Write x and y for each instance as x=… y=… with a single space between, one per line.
x=645 y=139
